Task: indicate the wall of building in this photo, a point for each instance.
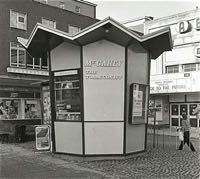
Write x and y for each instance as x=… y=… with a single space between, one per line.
x=104 y=73
x=35 y=12
x=86 y=8
x=183 y=43
x=175 y=74
x=65 y=56
x=137 y=73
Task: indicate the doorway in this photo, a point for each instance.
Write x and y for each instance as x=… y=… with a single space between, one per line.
x=177 y=109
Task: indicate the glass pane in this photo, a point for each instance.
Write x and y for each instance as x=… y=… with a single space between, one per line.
x=37 y=61
x=67 y=98
x=174 y=121
x=192 y=107
x=21 y=19
x=44 y=63
x=32 y=109
x=193 y=122
x=22 y=59
x=9 y=109
x=13 y=57
x=183 y=109
x=13 y=19
x=29 y=60
x=174 y=109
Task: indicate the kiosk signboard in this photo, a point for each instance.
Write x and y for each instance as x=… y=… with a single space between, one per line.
x=43 y=137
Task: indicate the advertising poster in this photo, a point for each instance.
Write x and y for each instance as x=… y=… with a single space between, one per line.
x=137 y=102
x=138 y=95
x=43 y=141
x=46 y=107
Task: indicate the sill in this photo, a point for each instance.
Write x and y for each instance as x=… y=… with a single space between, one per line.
x=27 y=71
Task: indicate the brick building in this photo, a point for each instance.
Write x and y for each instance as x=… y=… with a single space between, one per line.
x=20 y=73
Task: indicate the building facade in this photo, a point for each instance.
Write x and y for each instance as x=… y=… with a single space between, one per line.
x=174 y=82
x=20 y=73
x=77 y=6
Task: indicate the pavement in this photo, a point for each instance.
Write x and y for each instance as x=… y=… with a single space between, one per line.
x=163 y=161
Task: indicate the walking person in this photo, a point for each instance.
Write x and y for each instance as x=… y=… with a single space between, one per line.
x=186 y=133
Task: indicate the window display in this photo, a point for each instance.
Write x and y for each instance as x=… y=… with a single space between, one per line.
x=32 y=109
x=19 y=109
x=67 y=98
x=9 y=109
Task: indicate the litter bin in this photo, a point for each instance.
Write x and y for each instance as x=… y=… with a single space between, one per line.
x=20 y=133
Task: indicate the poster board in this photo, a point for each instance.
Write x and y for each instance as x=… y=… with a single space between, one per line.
x=138 y=103
x=43 y=140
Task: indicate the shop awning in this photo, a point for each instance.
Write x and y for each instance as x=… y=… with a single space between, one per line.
x=44 y=38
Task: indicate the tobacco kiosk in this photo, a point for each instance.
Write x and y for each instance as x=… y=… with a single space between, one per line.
x=99 y=86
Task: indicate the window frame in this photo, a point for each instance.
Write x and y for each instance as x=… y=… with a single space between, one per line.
x=73 y=26
x=172 y=71
x=194 y=68
x=47 y=20
x=19 y=25
x=19 y=48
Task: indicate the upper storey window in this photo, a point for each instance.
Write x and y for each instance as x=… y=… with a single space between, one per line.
x=17 y=55
x=49 y=23
x=172 y=69
x=73 y=29
x=18 y=20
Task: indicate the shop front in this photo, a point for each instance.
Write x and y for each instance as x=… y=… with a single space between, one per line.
x=99 y=86
x=20 y=110
x=175 y=95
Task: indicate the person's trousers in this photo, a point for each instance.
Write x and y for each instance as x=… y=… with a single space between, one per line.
x=186 y=140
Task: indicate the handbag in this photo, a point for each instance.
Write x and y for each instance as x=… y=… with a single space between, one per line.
x=180 y=135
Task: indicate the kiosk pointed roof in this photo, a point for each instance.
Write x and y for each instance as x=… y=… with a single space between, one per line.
x=44 y=38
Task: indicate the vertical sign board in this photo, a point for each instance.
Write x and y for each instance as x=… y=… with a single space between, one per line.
x=137 y=108
x=43 y=141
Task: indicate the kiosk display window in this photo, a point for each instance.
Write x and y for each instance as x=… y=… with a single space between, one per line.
x=67 y=91
x=138 y=102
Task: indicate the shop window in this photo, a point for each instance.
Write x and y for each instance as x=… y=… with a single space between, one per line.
x=190 y=67
x=32 y=109
x=72 y=30
x=172 y=69
x=67 y=98
x=9 y=109
x=49 y=23
x=17 y=55
x=18 y=20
